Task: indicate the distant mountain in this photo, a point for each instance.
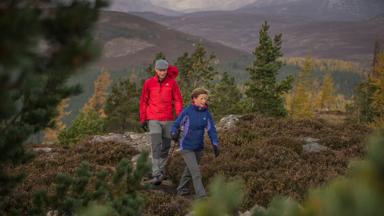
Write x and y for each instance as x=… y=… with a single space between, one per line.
x=347 y=40
x=140 y=6
x=340 y=10
x=130 y=40
x=202 y=5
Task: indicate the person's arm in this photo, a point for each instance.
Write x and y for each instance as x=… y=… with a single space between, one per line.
x=178 y=122
x=211 y=128
x=144 y=103
x=177 y=99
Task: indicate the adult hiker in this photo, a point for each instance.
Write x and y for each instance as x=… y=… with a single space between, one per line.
x=194 y=120
x=159 y=96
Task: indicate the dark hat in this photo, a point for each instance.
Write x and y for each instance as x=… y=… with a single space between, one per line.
x=161 y=64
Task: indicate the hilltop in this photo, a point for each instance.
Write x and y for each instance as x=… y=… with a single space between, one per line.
x=271 y=155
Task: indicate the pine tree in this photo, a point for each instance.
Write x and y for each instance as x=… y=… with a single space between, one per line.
x=119 y=195
x=42 y=44
x=225 y=97
x=122 y=107
x=378 y=95
x=51 y=134
x=377 y=50
x=303 y=94
x=327 y=93
x=363 y=101
x=196 y=70
x=98 y=99
x=263 y=89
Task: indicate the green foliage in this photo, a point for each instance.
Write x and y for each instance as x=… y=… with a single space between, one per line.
x=361 y=193
x=196 y=70
x=225 y=199
x=122 y=107
x=327 y=93
x=118 y=196
x=302 y=95
x=42 y=44
x=85 y=124
x=225 y=97
x=362 y=109
x=262 y=88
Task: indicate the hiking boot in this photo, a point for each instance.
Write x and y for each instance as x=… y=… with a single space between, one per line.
x=183 y=192
x=157 y=179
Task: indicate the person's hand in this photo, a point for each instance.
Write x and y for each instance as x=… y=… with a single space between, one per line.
x=144 y=125
x=175 y=136
x=216 y=150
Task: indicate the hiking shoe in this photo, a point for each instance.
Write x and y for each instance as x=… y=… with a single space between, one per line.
x=183 y=192
x=155 y=180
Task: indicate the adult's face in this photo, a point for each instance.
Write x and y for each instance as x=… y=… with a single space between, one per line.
x=161 y=73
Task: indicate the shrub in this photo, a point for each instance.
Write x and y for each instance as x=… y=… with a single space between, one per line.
x=85 y=124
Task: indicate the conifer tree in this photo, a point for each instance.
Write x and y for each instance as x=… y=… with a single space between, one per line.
x=265 y=92
x=91 y=119
x=377 y=51
x=42 y=44
x=118 y=195
x=378 y=95
x=302 y=95
x=98 y=99
x=122 y=107
x=225 y=97
x=327 y=93
x=51 y=134
x=363 y=101
x=196 y=70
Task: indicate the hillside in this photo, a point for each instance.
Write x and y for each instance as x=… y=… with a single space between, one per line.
x=128 y=40
x=346 y=40
x=140 y=6
x=271 y=156
x=335 y=10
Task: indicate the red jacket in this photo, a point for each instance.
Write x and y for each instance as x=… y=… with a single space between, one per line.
x=157 y=99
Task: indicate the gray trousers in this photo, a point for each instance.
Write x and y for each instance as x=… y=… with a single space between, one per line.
x=160 y=132
x=191 y=171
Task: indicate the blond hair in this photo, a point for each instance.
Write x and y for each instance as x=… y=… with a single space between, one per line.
x=199 y=91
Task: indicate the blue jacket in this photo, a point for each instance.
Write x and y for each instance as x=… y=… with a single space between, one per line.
x=195 y=120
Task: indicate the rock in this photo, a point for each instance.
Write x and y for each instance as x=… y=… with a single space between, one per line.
x=43 y=149
x=140 y=141
x=111 y=137
x=312 y=145
x=310 y=140
x=227 y=122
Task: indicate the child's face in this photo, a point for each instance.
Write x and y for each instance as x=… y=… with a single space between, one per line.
x=201 y=100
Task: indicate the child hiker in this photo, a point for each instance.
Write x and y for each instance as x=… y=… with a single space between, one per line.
x=194 y=120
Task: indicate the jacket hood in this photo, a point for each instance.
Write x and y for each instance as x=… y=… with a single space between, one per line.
x=172 y=72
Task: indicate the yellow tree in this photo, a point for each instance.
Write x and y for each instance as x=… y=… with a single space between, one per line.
x=50 y=134
x=302 y=94
x=378 y=95
x=99 y=97
x=327 y=96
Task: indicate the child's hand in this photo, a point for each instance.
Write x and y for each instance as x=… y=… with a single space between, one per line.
x=175 y=136
x=216 y=150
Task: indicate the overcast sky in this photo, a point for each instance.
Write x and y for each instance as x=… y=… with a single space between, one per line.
x=182 y=5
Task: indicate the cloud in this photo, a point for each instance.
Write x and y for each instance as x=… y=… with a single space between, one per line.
x=183 y=5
